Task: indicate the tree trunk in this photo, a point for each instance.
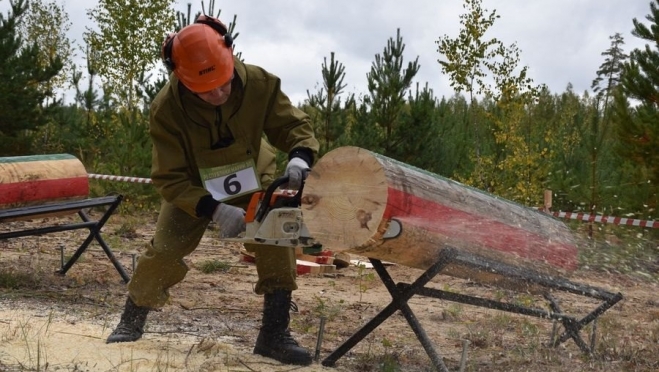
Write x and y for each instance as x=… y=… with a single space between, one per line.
x=352 y=195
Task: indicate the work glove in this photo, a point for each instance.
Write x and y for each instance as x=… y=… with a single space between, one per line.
x=296 y=171
x=230 y=219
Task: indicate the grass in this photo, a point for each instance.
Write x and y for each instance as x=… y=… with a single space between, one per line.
x=452 y=312
x=379 y=358
x=324 y=308
x=127 y=230
x=10 y=279
x=213 y=266
x=618 y=249
x=327 y=308
x=31 y=343
x=366 y=280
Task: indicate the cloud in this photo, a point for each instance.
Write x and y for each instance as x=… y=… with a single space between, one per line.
x=561 y=41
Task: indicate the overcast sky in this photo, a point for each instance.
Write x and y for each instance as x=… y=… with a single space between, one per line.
x=561 y=41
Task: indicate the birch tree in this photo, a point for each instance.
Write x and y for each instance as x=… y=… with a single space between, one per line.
x=128 y=38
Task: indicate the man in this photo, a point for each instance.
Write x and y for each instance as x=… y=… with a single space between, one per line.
x=207 y=125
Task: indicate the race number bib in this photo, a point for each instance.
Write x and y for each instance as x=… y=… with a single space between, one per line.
x=230 y=181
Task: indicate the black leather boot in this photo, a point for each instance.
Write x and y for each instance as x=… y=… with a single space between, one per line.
x=275 y=340
x=131 y=325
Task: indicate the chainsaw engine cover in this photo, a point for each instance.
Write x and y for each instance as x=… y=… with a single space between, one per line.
x=280 y=226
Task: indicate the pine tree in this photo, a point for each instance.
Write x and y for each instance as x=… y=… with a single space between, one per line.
x=388 y=83
x=364 y=130
x=633 y=191
x=639 y=130
x=568 y=125
x=597 y=138
x=608 y=74
x=453 y=142
x=21 y=109
x=419 y=132
x=328 y=116
x=184 y=19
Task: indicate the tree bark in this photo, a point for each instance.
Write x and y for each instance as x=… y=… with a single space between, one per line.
x=352 y=195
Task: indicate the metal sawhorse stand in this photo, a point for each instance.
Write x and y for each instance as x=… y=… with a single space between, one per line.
x=402 y=292
x=112 y=202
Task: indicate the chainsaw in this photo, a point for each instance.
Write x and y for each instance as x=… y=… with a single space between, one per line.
x=274 y=217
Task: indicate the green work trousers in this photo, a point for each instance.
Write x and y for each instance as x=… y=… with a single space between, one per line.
x=177 y=235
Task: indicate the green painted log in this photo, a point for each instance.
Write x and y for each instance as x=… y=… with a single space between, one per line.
x=38 y=179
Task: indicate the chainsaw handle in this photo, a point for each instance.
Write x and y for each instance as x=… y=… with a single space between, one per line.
x=265 y=202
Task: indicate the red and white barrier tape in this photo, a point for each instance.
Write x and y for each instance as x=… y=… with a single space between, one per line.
x=569 y=215
x=119 y=178
x=606 y=219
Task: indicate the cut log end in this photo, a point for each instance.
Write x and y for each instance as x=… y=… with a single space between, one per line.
x=343 y=204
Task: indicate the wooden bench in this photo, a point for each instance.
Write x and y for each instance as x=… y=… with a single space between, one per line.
x=56 y=185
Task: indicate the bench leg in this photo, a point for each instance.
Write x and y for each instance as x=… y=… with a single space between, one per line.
x=401 y=297
x=573 y=327
x=95 y=234
x=399 y=302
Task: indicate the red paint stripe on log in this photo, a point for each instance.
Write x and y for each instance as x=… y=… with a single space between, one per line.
x=44 y=190
x=463 y=226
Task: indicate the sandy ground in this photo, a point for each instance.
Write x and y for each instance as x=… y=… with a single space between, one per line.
x=40 y=342
x=50 y=322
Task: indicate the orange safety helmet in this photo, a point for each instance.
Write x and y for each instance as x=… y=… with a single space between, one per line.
x=200 y=55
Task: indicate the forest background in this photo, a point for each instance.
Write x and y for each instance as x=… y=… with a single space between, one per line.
x=501 y=132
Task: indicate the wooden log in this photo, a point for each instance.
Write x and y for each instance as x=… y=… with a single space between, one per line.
x=37 y=179
x=352 y=194
x=302 y=266
x=306 y=267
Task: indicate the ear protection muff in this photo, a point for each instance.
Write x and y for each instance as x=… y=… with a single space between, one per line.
x=218 y=26
x=166 y=51
x=214 y=23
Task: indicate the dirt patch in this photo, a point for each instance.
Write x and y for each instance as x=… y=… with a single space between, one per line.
x=50 y=322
